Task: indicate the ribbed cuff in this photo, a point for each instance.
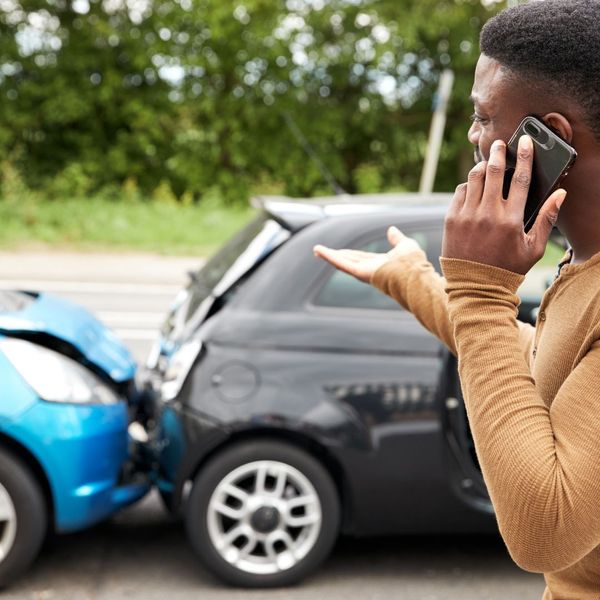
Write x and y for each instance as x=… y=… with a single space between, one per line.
x=395 y=268
x=461 y=273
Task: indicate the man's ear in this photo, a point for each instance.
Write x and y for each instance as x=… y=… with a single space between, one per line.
x=560 y=125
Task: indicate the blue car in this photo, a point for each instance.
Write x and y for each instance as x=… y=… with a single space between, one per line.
x=67 y=399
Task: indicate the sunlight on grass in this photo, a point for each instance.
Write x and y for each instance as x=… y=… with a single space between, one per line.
x=99 y=224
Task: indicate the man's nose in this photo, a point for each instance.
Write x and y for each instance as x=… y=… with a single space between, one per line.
x=473 y=134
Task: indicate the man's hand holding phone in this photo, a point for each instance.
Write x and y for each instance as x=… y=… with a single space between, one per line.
x=482 y=226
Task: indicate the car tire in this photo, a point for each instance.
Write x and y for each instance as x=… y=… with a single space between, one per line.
x=23 y=517
x=283 y=503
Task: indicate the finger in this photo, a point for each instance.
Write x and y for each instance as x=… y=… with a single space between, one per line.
x=337 y=258
x=328 y=253
x=319 y=250
x=458 y=200
x=475 y=185
x=519 y=186
x=452 y=217
x=540 y=231
x=494 y=175
x=345 y=255
x=401 y=244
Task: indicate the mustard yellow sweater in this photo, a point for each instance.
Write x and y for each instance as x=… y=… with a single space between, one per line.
x=533 y=401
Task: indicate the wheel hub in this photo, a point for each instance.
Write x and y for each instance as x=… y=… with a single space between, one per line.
x=8 y=522
x=265 y=519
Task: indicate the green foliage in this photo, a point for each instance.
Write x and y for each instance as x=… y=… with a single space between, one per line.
x=71 y=181
x=99 y=223
x=367 y=179
x=163 y=193
x=11 y=183
x=190 y=99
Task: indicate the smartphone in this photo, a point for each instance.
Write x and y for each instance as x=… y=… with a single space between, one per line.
x=552 y=159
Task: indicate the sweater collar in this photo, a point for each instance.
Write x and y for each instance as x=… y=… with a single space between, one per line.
x=565 y=266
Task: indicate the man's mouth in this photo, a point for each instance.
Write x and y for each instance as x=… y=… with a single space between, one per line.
x=477 y=156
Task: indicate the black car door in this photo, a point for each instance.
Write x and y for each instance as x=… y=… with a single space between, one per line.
x=388 y=372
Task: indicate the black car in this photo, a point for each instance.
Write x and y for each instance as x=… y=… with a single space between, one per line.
x=296 y=403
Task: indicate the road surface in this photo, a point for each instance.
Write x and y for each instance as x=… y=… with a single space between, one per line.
x=142 y=553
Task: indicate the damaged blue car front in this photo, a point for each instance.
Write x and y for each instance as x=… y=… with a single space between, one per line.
x=67 y=400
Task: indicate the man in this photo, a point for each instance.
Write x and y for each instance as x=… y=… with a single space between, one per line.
x=532 y=394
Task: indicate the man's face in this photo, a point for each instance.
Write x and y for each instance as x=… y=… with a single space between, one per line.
x=497 y=109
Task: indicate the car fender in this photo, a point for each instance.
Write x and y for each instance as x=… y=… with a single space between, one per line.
x=15 y=395
x=80 y=450
x=316 y=433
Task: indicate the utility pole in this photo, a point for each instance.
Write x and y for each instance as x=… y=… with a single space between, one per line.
x=436 y=131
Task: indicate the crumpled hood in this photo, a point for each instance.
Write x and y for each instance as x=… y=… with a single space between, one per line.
x=73 y=324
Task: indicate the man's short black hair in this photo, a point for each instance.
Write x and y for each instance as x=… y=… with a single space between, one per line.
x=555 y=43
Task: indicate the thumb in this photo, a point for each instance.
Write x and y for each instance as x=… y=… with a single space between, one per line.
x=546 y=219
x=394 y=235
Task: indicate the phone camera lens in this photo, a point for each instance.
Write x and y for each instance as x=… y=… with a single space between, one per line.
x=532 y=129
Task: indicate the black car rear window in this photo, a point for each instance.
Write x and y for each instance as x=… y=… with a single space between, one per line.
x=216 y=267
x=235 y=259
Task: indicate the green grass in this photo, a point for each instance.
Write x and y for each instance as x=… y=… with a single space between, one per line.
x=96 y=224
x=552 y=256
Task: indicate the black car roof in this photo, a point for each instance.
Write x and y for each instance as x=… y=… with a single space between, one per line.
x=296 y=213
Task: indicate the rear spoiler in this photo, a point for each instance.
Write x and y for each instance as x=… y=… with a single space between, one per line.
x=294 y=214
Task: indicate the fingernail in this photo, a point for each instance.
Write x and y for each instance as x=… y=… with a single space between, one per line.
x=525 y=142
x=561 y=199
x=498 y=144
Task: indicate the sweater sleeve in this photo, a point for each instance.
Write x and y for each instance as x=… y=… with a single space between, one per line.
x=412 y=281
x=540 y=465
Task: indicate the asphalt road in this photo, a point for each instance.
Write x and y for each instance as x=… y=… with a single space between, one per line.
x=143 y=554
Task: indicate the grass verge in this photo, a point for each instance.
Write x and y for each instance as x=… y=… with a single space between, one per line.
x=99 y=224
x=104 y=225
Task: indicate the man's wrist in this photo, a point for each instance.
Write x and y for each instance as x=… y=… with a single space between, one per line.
x=462 y=274
x=399 y=264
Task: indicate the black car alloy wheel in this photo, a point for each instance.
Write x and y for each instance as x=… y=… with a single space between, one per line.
x=23 y=518
x=262 y=514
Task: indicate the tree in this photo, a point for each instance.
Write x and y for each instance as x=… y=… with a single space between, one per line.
x=207 y=96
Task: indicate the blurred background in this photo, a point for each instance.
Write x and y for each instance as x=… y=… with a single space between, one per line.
x=136 y=126
x=149 y=123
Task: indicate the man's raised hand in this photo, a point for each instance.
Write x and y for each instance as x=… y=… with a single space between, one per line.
x=363 y=265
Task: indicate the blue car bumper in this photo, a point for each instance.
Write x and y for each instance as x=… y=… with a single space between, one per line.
x=83 y=451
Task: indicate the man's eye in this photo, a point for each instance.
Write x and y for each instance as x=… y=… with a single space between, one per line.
x=477 y=119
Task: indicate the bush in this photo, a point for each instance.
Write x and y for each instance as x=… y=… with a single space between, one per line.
x=72 y=181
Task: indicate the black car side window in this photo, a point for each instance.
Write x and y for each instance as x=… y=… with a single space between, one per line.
x=344 y=291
